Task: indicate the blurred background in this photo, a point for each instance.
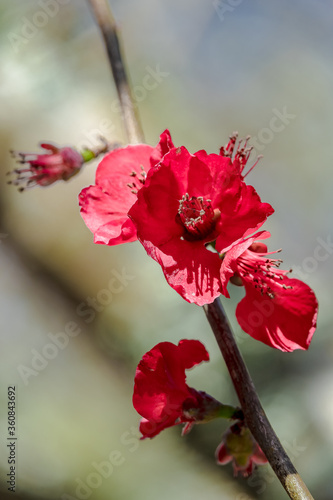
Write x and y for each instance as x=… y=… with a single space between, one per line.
x=262 y=68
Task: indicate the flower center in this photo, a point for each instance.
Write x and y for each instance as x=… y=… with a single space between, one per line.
x=197 y=215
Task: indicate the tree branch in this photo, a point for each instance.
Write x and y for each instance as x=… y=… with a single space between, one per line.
x=107 y=24
x=255 y=416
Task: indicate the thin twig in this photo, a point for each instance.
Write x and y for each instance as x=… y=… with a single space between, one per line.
x=255 y=416
x=107 y=24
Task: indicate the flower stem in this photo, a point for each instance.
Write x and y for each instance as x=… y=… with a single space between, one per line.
x=107 y=24
x=230 y=412
x=255 y=416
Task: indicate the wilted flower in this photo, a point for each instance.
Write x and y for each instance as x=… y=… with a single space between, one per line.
x=239 y=447
x=47 y=168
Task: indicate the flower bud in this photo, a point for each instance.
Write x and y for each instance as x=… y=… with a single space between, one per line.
x=239 y=447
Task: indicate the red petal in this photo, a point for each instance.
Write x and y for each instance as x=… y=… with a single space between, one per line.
x=150 y=429
x=189 y=268
x=154 y=214
x=243 y=219
x=259 y=456
x=104 y=207
x=191 y=353
x=224 y=180
x=286 y=322
x=105 y=217
x=160 y=387
x=116 y=166
x=222 y=455
x=49 y=146
x=162 y=148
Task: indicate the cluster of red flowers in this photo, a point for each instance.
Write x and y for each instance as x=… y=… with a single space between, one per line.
x=195 y=215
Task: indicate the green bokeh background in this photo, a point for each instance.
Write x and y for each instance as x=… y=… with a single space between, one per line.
x=226 y=66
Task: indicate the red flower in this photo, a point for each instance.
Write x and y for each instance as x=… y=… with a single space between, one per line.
x=161 y=394
x=277 y=310
x=45 y=169
x=189 y=201
x=239 y=447
x=119 y=176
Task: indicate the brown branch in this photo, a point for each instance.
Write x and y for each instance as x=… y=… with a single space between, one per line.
x=255 y=416
x=107 y=24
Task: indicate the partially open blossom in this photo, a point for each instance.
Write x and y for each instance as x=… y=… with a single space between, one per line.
x=161 y=395
x=239 y=447
x=119 y=177
x=47 y=168
x=277 y=310
x=188 y=202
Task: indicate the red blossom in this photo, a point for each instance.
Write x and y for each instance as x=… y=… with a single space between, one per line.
x=119 y=176
x=277 y=310
x=45 y=169
x=239 y=447
x=188 y=202
x=161 y=395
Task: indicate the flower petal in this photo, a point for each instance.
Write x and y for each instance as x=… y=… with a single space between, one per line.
x=189 y=268
x=150 y=428
x=222 y=455
x=287 y=321
x=154 y=213
x=116 y=166
x=243 y=219
x=105 y=217
x=163 y=147
x=104 y=207
x=160 y=383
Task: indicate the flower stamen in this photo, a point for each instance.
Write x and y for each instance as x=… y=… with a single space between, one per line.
x=259 y=270
x=197 y=215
